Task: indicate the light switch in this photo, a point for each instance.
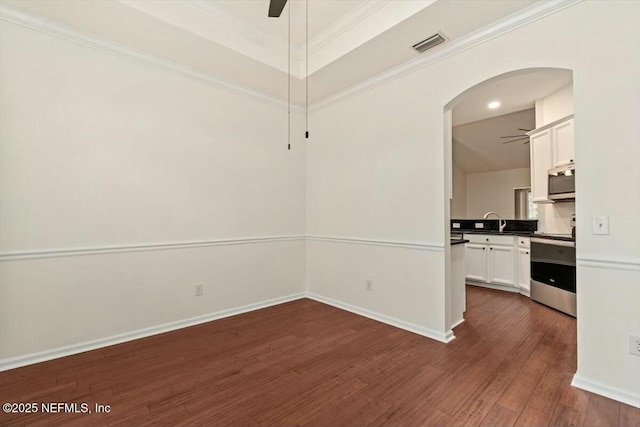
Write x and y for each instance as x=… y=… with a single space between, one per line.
x=600 y=225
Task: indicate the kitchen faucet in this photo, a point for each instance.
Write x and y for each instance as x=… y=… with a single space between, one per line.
x=501 y=222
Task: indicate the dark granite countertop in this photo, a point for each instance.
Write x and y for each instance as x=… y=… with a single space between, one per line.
x=498 y=233
x=458 y=241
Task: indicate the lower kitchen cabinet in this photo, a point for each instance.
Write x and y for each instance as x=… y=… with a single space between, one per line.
x=476 y=261
x=502 y=269
x=491 y=259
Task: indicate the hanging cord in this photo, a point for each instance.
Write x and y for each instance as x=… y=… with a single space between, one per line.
x=289 y=82
x=306 y=133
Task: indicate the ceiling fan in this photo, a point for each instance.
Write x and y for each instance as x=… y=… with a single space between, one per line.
x=515 y=138
x=275 y=8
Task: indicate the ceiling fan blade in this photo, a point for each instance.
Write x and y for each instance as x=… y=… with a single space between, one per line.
x=525 y=130
x=275 y=8
x=514 y=136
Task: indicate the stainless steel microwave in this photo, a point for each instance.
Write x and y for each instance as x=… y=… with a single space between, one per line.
x=562 y=183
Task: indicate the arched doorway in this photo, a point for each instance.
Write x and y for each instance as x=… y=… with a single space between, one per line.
x=493 y=117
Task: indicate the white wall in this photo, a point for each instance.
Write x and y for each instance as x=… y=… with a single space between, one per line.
x=96 y=152
x=494 y=192
x=375 y=173
x=459 y=200
x=375 y=170
x=555 y=106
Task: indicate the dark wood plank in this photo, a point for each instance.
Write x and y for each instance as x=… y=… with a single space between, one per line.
x=306 y=363
x=602 y=412
x=629 y=416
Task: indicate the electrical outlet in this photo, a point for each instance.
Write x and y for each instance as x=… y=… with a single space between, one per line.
x=634 y=345
x=369 y=285
x=199 y=289
x=600 y=225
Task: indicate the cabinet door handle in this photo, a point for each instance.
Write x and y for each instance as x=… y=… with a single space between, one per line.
x=487 y=239
x=484 y=249
x=491 y=248
x=526 y=253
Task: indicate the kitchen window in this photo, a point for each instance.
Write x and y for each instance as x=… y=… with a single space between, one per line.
x=524 y=207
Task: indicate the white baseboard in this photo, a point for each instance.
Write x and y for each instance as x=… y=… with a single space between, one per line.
x=429 y=333
x=606 y=391
x=458 y=323
x=29 y=359
x=492 y=286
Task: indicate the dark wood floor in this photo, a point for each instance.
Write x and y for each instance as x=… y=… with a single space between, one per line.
x=306 y=363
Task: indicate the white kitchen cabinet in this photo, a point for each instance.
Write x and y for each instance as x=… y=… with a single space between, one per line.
x=549 y=146
x=524 y=265
x=563 y=146
x=502 y=268
x=541 y=162
x=476 y=262
x=491 y=259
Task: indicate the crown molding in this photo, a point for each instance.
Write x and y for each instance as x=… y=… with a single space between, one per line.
x=47 y=26
x=216 y=12
x=261 y=39
x=351 y=19
x=516 y=20
x=530 y=14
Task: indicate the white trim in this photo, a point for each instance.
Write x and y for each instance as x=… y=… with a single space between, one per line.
x=518 y=19
x=42 y=356
x=67 y=33
x=99 y=250
x=344 y=24
x=615 y=264
x=371 y=242
x=532 y=13
x=458 y=323
x=52 y=253
x=264 y=38
x=425 y=332
x=492 y=286
x=593 y=386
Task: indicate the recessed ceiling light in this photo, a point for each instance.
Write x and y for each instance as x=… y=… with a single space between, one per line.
x=493 y=104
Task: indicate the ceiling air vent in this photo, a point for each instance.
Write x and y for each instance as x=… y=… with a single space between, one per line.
x=427 y=44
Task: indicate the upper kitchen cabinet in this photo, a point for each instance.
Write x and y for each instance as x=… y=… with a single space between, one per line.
x=562 y=143
x=541 y=162
x=551 y=146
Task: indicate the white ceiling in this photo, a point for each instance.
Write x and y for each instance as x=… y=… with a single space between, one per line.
x=515 y=91
x=477 y=146
x=322 y=15
x=235 y=42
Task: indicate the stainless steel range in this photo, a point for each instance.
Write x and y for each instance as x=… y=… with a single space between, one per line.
x=553 y=272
